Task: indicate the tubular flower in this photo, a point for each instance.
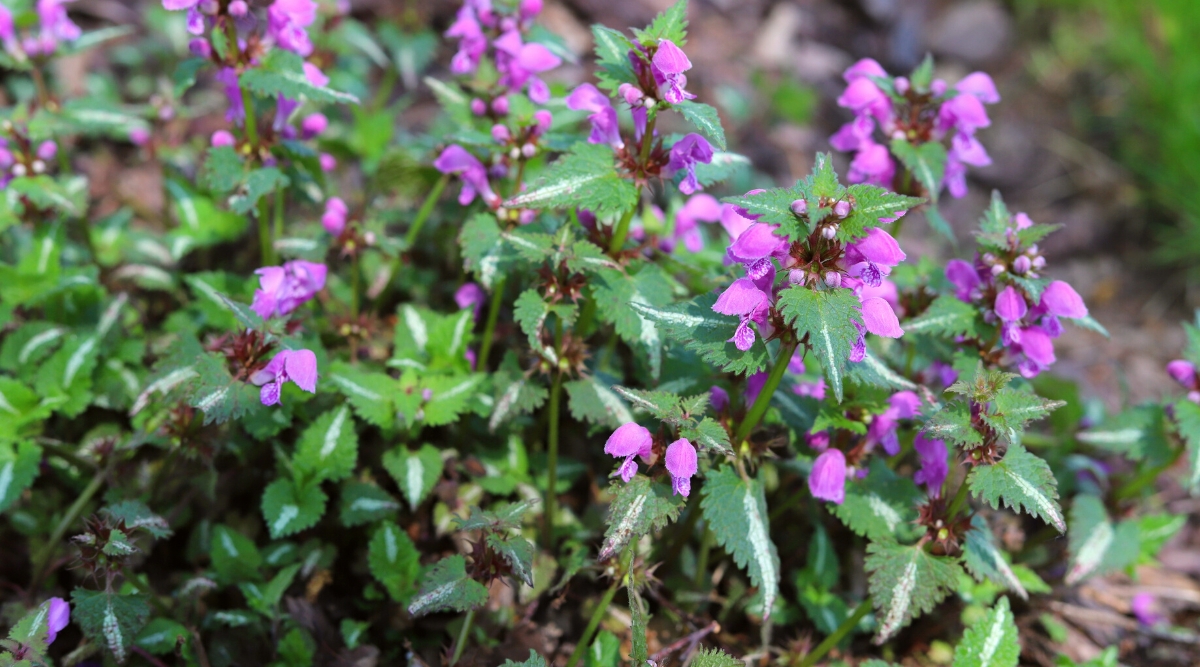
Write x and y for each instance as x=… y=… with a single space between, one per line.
x=628 y=441
x=58 y=615
x=288 y=22
x=934 y=464
x=698 y=208
x=605 y=127
x=456 y=160
x=283 y=289
x=1184 y=372
x=681 y=463
x=298 y=366
x=827 y=481
x=689 y=151
x=668 y=66
x=519 y=62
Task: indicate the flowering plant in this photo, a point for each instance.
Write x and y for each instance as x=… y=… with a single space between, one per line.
x=385 y=422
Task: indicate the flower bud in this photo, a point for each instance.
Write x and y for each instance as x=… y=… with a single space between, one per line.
x=209 y=7
x=39 y=167
x=47 y=150
x=1021 y=265
x=500 y=106
x=632 y=94
x=426 y=394
x=901 y=84
x=515 y=153
x=500 y=133
x=221 y=138
x=328 y=162
x=649 y=102
x=166 y=112
x=1039 y=262
x=313 y=124
x=529 y=8
x=998 y=268
x=478 y=107
x=829 y=232
x=139 y=136
x=238 y=8
x=542 y=120
x=833 y=279
x=841 y=209
x=800 y=207
x=19 y=170
x=938 y=87
x=797 y=277
x=528 y=150
x=989 y=258
x=899 y=134
x=526 y=216
x=200 y=48
x=369 y=237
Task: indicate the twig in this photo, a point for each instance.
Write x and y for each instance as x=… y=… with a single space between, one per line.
x=693 y=638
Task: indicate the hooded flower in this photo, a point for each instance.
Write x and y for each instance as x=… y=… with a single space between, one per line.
x=698 y=208
x=1011 y=309
x=689 y=151
x=668 y=65
x=472 y=43
x=56 y=25
x=628 y=441
x=744 y=299
x=283 y=289
x=934 y=464
x=299 y=366
x=519 y=62
x=456 y=160
x=681 y=463
x=288 y=22
x=58 y=615
x=605 y=128
x=901 y=405
x=334 y=219
x=827 y=481
x=470 y=295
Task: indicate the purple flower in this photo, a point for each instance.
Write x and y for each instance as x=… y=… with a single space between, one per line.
x=628 y=441
x=871 y=258
x=880 y=319
x=299 y=366
x=56 y=25
x=882 y=430
x=681 y=463
x=964 y=278
x=313 y=125
x=178 y=5
x=699 y=208
x=605 y=129
x=282 y=289
x=7 y=27
x=1142 y=605
x=689 y=151
x=334 y=219
x=754 y=386
x=934 y=464
x=58 y=616
x=811 y=389
x=472 y=42
x=744 y=299
x=328 y=162
x=1011 y=308
x=1038 y=348
x=228 y=77
x=470 y=295
x=719 y=398
x=1184 y=372
x=287 y=23
x=456 y=160
x=828 y=478
x=519 y=62
x=1061 y=300
x=872 y=164
x=668 y=65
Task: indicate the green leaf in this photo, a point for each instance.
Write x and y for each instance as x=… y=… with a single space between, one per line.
x=619 y=297
x=19 y=465
x=394 y=561
x=29 y=344
x=1011 y=409
x=1021 y=481
x=713 y=657
x=416 y=473
x=110 y=620
x=531 y=310
x=906 y=582
x=368 y=393
x=927 y=162
x=704 y=118
x=671 y=24
x=450 y=396
x=639 y=507
x=363 y=503
x=707 y=333
x=223 y=169
x=258 y=184
x=448 y=588
x=985 y=561
x=880 y=504
x=828 y=318
x=1187 y=416
x=534 y=660
x=709 y=434
x=1095 y=544
x=872 y=371
x=162 y=635
x=217 y=394
x=234 y=556
x=736 y=512
x=992 y=641
x=774 y=206
x=946 y=317
x=594 y=401
x=289 y=509
x=137 y=516
x=605 y=651
x=586 y=177
x=1135 y=432
x=664 y=405
x=265 y=599
x=185 y=74
x=328 y=448
x=282 y=73
x=612 y=59
x=517 y=551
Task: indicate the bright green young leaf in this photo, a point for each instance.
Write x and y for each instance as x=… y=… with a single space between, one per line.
x=587 y=178
x=992 y=641
x=234 y=556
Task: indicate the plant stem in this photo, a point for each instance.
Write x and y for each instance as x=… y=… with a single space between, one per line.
x=426 y=208
x=594 y=622
x=960 y=498
x=354 y=278
x=39 y=83
x=279 y=204
x=41 y=560
x=489 y=329
x=552 y=448
x=264 y=233
x=463 y=635
x=764 y=397
x=832 y=640
x=622 y=230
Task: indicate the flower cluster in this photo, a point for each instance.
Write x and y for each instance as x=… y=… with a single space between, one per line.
x=54 y=26
x=819 y=259
x=283 y=289
x=479 y=25
x=632 y=440
x=904 y=110
x=1006 y=285
x=19 y=157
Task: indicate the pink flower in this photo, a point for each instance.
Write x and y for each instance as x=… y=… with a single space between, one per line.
x=689 y=151
x=334 y=219
x=628 y=441
x=282 y=289
x=298 y=366
x=1184 y=372
x=698 y=208
x=605 y=128
x=1061 y=300
x=744 y=299
x=964 y=277
x=668 y=66
x=222 y=138
x=934 y=465
x=1142 y=605
x=57 y=617
x=681 y=463
x=470 y=295
x=518 y=62
x=456 y=160
x=828 y=478
x=719 y=398
x=288 y=22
